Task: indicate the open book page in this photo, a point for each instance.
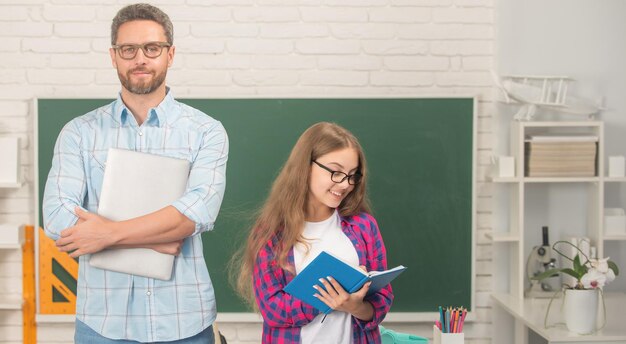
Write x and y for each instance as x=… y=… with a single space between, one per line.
x=351 y=278
x=370 y=273
x=379 y=279
x=376 y=273
x=322 y=266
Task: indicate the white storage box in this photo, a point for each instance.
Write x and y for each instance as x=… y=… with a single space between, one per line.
x=11 y=234
x=505 y=166
x=616 y=166
x=614 y=221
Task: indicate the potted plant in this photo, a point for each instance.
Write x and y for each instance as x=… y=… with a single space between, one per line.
x=581 y=299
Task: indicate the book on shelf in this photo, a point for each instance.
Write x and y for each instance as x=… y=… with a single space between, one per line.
x=561 y=158
x=561 y=138
x=557 y=174
x=562 y=145
x=560 y=164
x=565 y=170
x=573 y=172
x=349 y=277
x=560 y=149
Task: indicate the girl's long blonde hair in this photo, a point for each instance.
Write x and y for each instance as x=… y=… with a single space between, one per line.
x=283 y=213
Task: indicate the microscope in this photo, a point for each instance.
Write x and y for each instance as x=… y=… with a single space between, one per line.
x=539 y=261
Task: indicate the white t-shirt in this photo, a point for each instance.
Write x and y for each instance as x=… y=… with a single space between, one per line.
x=326 y=236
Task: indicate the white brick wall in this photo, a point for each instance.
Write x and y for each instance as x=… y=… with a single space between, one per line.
x=58 y=48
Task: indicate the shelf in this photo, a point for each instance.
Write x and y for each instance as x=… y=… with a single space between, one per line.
x=615 y=179
x=532 y=312
x=503 y=237
x=564 y=124
x=519 y=209
x=505 y=180
x=10 y=302
x=55 y=318
x=5 y=185
x=561 y=179
x=9 y=246
x=615 y=237
x=553 y=179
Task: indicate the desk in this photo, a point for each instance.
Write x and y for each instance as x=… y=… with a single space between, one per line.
x=530 y=313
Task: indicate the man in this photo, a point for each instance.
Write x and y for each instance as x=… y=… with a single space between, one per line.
x=116 y=307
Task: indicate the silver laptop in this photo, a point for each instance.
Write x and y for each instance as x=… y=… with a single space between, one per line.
x=136 y=184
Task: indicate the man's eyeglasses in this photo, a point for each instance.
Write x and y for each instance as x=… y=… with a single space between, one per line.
x=339 y=177
x=151 y=49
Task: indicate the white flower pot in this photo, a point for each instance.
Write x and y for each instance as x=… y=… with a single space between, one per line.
x=581 y=310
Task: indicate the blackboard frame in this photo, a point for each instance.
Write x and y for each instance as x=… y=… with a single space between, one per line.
x=394 y=316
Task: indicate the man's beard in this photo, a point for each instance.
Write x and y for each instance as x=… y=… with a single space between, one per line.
x=141 y=87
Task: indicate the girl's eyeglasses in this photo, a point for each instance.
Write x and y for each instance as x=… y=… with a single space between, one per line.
x=339 y=177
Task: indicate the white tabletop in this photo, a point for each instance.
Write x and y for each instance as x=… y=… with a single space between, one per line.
x=532 y=313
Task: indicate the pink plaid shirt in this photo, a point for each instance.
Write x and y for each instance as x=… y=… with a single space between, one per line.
x=284 y=315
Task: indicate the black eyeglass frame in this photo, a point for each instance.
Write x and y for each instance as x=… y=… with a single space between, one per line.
x=119 y=47
x=353 y=179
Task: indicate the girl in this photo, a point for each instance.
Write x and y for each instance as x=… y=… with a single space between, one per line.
x=317 y=203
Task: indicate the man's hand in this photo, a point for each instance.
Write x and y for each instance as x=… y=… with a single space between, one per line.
x=172 y=248
x=89 y=235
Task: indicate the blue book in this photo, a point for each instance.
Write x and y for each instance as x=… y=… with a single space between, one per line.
x=351 y=279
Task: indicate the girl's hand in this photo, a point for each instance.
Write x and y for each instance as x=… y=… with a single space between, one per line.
x=338 y=299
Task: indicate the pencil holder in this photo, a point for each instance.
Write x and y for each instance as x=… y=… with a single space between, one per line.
x=447 y=338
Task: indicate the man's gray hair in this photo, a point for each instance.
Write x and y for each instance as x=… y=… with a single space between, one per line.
x=142 y=12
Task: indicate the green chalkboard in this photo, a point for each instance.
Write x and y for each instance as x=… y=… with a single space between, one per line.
x=420 y=154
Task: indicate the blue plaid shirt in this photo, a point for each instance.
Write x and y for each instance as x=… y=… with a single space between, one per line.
x=118 y=305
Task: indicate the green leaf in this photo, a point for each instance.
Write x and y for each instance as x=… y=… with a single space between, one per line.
x=577 y=265
x=575 y=274
x=613 y=267
x=546 y=274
